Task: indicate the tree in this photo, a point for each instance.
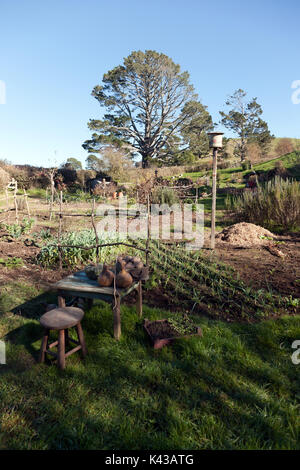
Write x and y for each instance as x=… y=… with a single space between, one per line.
x=93 y=163
x=73 y=164
x=284 y=146
x=245 y=121
x=145 y=99
x=112 y=161
x=194 y=130
x=116 y=163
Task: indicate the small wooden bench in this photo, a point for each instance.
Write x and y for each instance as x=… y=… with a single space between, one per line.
x=61 y=319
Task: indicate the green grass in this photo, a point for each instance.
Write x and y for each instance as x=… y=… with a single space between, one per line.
x=235 y=388
x=290 y=161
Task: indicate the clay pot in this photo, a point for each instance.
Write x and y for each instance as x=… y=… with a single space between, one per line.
x=123 y=278
x=106 y=278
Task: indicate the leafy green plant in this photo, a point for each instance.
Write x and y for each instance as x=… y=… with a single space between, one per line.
x=182 y=324
x=17 y=230
x=73 y=256
x=45 y=234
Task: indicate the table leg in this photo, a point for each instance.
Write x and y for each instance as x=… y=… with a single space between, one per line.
x=81 y=339
x=139 y=301
x=117 y=317
x=90 y=303
x=61 y=301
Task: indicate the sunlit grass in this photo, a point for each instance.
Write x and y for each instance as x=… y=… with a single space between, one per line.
x=234 y=388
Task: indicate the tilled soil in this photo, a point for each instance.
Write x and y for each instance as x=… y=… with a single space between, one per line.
x=256 y=266
x=161 y=329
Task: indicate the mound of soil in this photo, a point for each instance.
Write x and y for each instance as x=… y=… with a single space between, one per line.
x=245 y=235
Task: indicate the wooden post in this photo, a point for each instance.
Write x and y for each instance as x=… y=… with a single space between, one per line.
x=95 y=230
x=148 y=229
x=52 y=185
x=59 y=231
x=16 y=202
x=214 y=197
x=26 y=202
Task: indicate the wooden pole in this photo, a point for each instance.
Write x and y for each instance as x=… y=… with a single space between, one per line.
x=214 y=197
x=148 y=229
x=59 y=231
x=52 y=183
x=95 y=230
x=26 y=202
x=16 y=202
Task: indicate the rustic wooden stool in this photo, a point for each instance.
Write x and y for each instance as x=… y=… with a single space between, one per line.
x=62 y=319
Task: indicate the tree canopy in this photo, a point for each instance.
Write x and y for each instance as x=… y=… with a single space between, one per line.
x=244 y=119
x=112 y=161
x=150 y=105
x=73 y=163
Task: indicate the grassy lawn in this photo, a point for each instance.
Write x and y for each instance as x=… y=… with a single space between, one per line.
x=235 y=388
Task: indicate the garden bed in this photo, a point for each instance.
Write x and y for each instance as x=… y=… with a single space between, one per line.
x=163 y=332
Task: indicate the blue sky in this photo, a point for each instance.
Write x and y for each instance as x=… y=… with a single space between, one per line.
x=52 y=53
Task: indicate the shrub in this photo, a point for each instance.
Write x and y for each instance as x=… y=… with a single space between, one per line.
x=71 y=257
x=246 y=165
x=274 y=205
x=164 y=195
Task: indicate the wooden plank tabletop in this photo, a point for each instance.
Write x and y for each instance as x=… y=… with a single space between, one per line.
x=79 y=282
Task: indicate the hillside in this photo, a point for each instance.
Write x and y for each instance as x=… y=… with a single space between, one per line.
x=272 y=148
x=234 y=176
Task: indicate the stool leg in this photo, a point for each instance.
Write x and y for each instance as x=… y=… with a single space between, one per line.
x=81 y=339
x=61 y=349
x=44 y=345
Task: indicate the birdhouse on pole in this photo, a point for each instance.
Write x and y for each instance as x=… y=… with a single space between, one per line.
x=215 y=142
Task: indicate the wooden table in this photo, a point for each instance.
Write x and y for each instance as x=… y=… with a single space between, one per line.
x=79 y=285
